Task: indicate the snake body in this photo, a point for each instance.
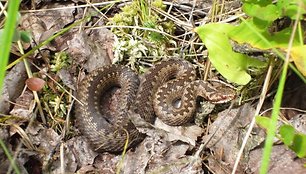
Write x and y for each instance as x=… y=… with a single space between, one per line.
x=164 y=83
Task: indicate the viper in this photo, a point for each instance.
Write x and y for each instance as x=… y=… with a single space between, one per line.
x=153 y=95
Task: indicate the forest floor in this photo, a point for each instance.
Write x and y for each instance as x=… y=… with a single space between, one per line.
x=76 y=37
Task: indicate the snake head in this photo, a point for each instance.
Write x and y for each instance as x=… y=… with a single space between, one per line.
x=221 y=94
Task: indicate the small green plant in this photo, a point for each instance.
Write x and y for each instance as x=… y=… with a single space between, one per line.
x=54 y=98
x=259 y=31
x=138 y=29
x=293 y=139
x=60 y=60
x=256 y=32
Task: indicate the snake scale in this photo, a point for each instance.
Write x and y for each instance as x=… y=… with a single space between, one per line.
x=167 y=81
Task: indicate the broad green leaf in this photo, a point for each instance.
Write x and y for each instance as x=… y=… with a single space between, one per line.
x=287 y=133
x=267 y=13
x=243 y=34
x=233 y=66
x=299 y=57
x=290 y=7
x=261 y=25
x=299 y=145
x=263 y=122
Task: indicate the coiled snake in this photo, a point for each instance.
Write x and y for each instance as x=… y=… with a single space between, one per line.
x=166 y=82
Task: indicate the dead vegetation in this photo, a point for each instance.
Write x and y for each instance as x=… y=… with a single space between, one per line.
x=40 y=131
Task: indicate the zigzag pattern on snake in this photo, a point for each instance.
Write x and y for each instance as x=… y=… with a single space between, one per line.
x=164 y=83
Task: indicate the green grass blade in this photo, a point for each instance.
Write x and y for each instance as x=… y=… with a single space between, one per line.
x=273 y=124
x=6 y=42
x=7 y=153
x=8 y=33
x=9 y=29
x=276 y=107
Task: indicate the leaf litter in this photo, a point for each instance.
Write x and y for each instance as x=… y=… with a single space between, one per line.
x=166 y=149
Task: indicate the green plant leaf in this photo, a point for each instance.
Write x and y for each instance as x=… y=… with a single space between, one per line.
x=263 y=122
x=295 y=141
x=231 y=65
x=242 y=34
x=299 y=57
x=287 y=134
x=299 y=145
x=290 y=8
x=267 y=13
x=259 y=2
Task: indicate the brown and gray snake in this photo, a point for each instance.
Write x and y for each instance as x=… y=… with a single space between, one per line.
x=167 y=81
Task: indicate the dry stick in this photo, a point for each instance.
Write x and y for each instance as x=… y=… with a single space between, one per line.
x=283 y=108
x=190 y=21
x=167 y=15
x=91 y=5
x=232 y=18
x=99 y=11
x=221 y=10
x=181 y=6
x=207 y=69
x=62 y=159
x=144 y=28
x=29 y=72
x=18 y=148
x=3 y=9
x=24 y=135
x=169 y=9
x=170 y=17
x=208 y=63
x=261 y=101
x=80 y=27
x=67 y=121
x=26 y=139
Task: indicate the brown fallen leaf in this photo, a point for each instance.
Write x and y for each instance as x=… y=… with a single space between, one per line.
x=24 y=106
